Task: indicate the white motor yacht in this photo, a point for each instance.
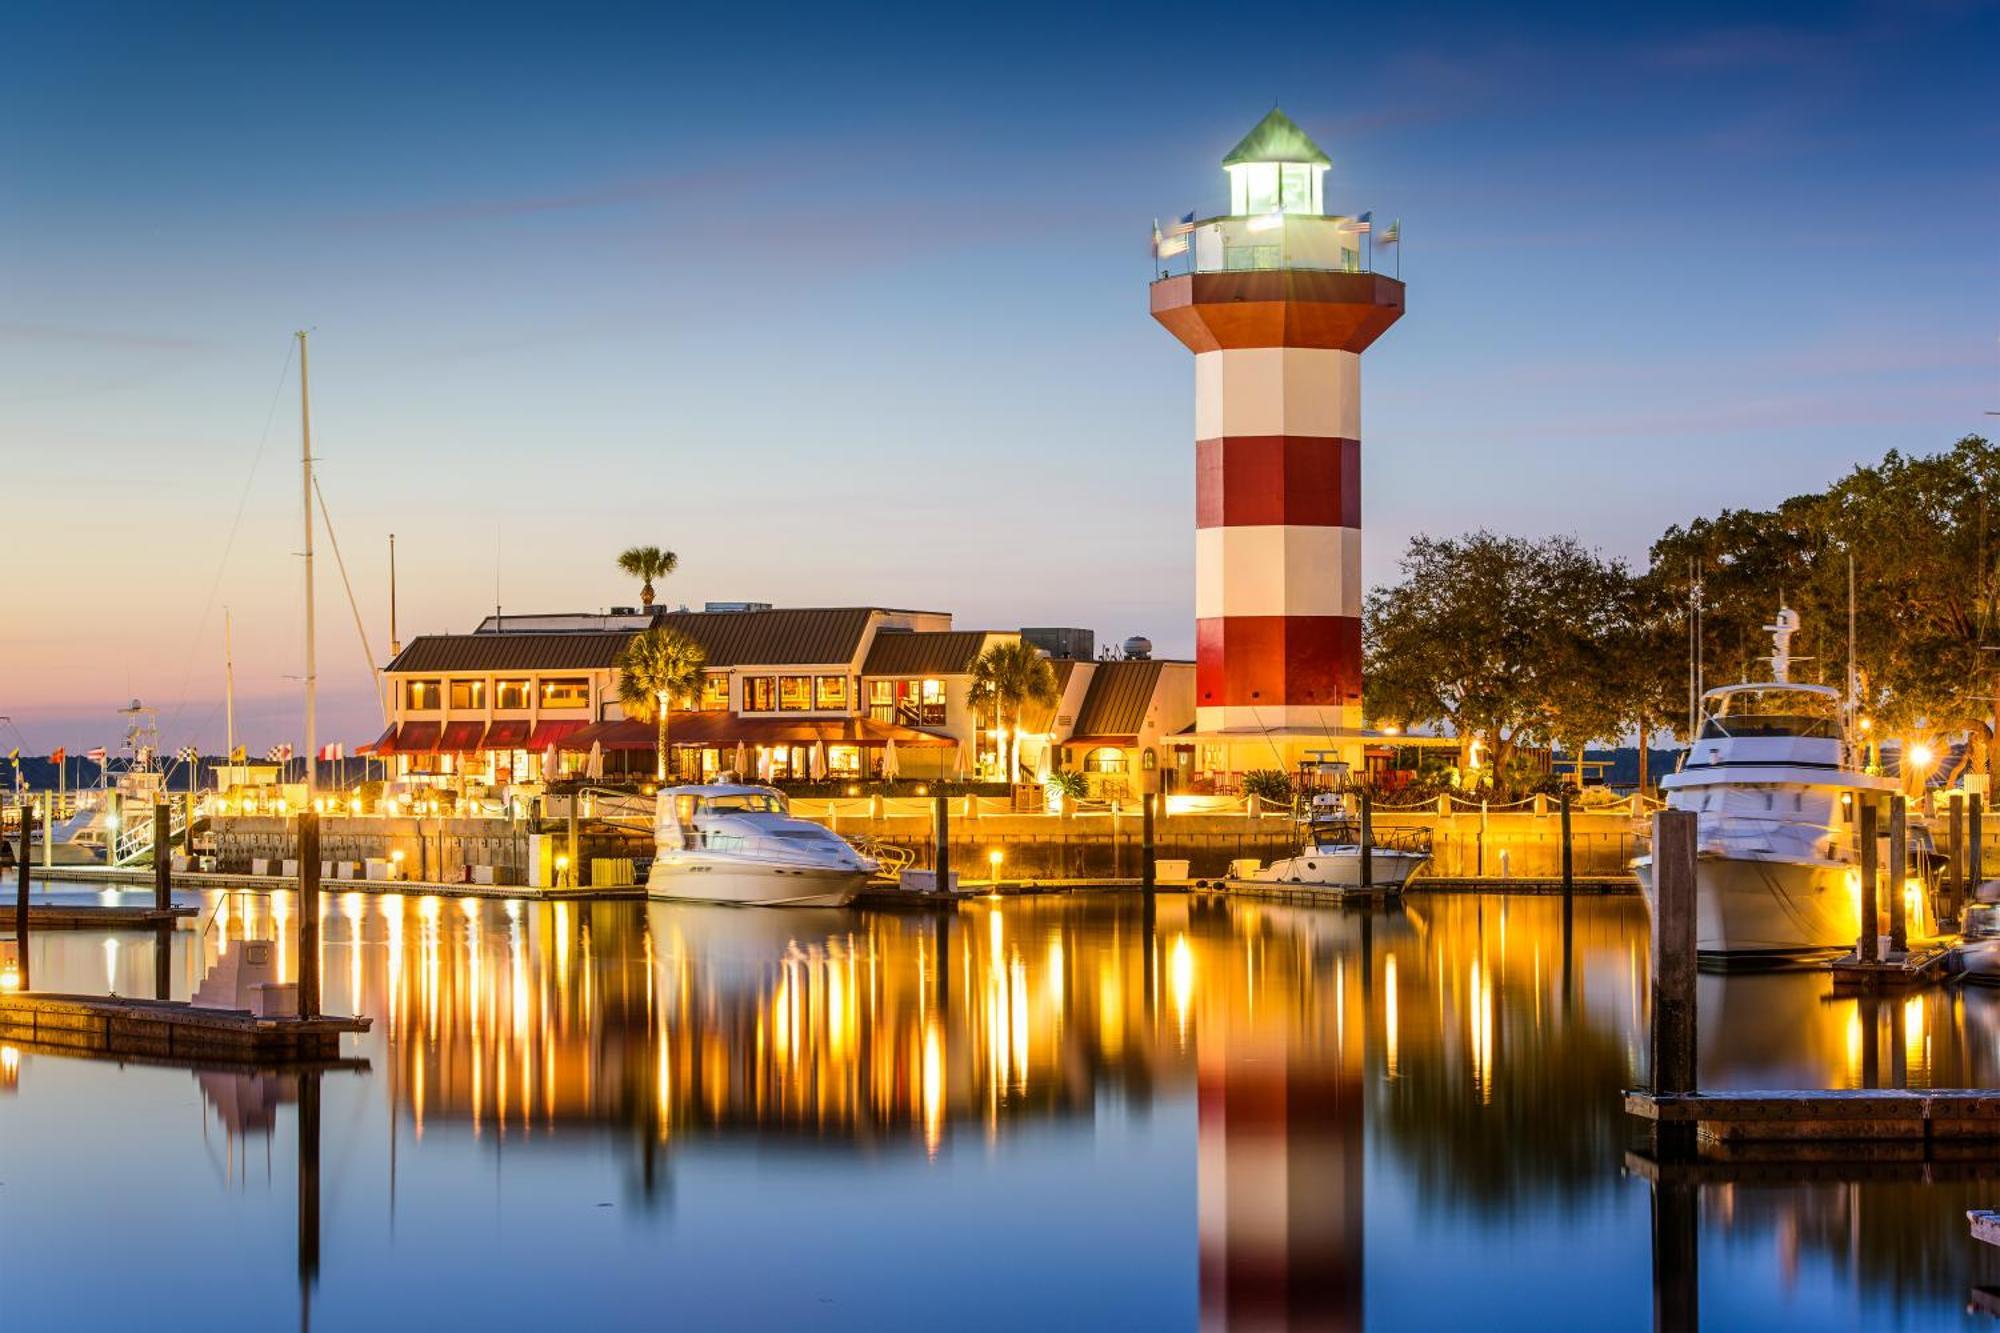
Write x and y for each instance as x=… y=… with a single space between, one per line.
x=1773 y=779
x=1329 y=855
x=731 y=843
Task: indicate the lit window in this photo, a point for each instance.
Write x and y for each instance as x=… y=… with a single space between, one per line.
x=468 y=694
x=794 y=693
x=882 y=700
x=760 y=694
x=570 y=693
x=421 y=696
x=1104 y=759
x=715 y=692
x=510 y=694
x=844 y=760
x=830 y=692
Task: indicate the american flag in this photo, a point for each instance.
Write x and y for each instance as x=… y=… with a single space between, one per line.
x=280 y=754
x=95 y=756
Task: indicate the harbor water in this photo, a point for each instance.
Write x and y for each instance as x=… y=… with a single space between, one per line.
x=1076 y=1112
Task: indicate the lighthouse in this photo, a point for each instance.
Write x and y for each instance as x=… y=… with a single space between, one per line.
x=1277 y=301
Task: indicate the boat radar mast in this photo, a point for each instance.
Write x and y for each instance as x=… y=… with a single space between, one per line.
x=1784 y=626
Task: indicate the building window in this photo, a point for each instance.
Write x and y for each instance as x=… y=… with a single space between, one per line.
x=468 y=694
x=714 y=693
x=830 y=692
x=1104 y=759
x=933 y=703
x=421 y=696
x=882 y=700
x=569 y=693
x=510 y=694
x=794 y=693
x=760 y=694
x=843 y=761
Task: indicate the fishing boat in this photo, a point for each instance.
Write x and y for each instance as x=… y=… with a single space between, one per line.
x=1331 y=852
x=739 y=843
x=1773 y=778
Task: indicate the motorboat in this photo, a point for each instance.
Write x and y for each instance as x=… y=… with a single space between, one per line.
x=1330 y=852
x=1774 y=778
x=740 y=843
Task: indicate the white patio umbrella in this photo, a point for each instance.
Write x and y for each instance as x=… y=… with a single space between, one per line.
x=594 y=766
x=819 y=761
x=890 y=769
x=763 y=764
x=742 y=762
x=549 y=769
x=958 y=764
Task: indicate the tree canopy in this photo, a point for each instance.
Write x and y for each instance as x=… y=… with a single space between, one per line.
x=1006 y=678
x=647 y=563
x=655 y=668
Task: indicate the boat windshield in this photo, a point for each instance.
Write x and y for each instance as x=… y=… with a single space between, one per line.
x=744 y=803
x=1776 y=711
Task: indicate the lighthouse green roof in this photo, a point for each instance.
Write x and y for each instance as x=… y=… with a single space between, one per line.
x=1276 y=139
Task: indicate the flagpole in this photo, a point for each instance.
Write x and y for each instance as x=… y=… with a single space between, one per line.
x=306 y=463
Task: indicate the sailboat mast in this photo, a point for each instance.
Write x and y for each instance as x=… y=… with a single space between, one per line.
x=395 y=644
x=312 y=674
x=229 y=683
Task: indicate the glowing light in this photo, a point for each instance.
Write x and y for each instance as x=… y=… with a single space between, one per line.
x=1921 y=756
x=10 y=979
x=1267 y=221
x=1389 y=1024
x=1180 y=978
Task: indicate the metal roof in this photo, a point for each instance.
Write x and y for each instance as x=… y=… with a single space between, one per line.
x=1276 y=139
x=923 y=653
x=1117 y=700
x=806 y=636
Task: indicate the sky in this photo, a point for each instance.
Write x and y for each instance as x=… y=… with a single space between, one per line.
x=847 y=305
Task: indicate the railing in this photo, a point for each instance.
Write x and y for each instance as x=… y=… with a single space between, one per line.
x=1275 y=241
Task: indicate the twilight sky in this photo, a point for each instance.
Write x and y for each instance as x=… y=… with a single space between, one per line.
x=849 y=306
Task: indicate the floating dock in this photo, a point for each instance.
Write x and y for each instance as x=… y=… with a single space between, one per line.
x=167 y=1030
x=1919 y=967
x=1897 y=1115
x=92 y=916
x=111 y=878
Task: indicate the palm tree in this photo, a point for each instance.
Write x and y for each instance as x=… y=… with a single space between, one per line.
x=646 y=563
x=1005 y=678
x=656 y=667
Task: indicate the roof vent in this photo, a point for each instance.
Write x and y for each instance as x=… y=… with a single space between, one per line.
x=1138 y=648
x=716 y=607
x=624 y=610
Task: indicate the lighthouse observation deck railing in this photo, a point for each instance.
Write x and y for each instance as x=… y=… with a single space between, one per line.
x=1273 y=241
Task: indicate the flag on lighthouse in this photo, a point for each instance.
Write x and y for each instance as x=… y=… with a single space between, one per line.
x=1174 y=240
x=1390 y=234
x=280 y=754
x=332 y=753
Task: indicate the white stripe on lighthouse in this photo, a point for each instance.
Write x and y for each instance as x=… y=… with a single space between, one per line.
x=1277 y=571
x=1277 y=391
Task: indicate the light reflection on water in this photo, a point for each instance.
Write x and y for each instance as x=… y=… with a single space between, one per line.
x=1229 y=1115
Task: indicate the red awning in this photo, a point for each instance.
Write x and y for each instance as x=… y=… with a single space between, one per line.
x=461 y=737
x=552 y=733
x=511 y=734
x=383 y=744
x=410 y=738
x=723 y=730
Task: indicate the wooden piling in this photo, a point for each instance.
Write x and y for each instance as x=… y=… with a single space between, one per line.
x=1146 y=882
x=577 y=879
x=1975 y=853
x=1367 y=841
x=1568 y=856
x=1865 y=947
x=1676 y=1256
x=163 y=859
x=941 y=843
x=1954 y=853
x=1673 y=1028
x=1899 y=869
x=308 y=847
x=23 y=872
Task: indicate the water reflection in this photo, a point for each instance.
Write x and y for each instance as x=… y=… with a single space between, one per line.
x=1345 y=1094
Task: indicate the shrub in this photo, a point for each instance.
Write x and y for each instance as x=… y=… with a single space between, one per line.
x=1269 y=784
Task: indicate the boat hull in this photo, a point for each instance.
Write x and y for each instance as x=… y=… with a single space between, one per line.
x=1748 y=910
x=714 y=880
x=1340 y=871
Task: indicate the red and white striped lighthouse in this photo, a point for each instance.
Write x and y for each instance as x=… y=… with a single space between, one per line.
x=1277 y=303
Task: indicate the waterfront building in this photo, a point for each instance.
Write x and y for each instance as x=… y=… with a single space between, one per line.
x=1277 y=301
x=788 y=694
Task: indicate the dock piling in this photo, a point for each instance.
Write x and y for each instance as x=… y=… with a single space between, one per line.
x=941 y=842
x=163 y=861
x=1367 y=841
x=1865 y=947
x=1146 y=841
x=1899 y=869
x=1673 y=1034
x=1568 y=852
x=1954 y=891
x=23 y=873
x=308 y=914
x=1975 y=853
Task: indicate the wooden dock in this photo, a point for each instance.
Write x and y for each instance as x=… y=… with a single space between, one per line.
x=95 y=916
x=115 y=1026
x=1904 y=1115
x=1920 y=966
x=118 y=878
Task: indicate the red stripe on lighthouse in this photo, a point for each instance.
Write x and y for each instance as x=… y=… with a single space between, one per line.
x=1273 y=661
x=1259 y=480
